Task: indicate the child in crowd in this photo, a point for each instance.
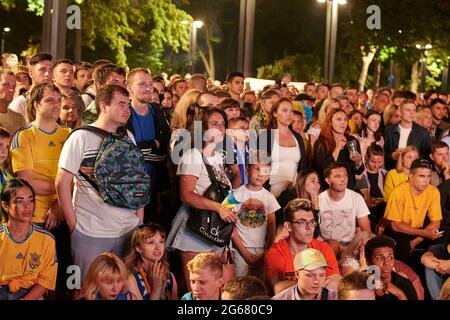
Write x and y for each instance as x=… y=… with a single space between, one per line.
x=106 y=279
x=255 y=227
x=371 y=182
x=150 y=277
x=206 y=277
x=231 y=108
x=5 y=139
x=238 y=131
x=400 y=174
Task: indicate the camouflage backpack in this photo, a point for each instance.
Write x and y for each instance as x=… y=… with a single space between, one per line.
x=119 y=171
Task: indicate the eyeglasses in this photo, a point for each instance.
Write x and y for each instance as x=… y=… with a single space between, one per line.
x=303 y=223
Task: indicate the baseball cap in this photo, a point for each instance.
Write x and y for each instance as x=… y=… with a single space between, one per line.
x=304 y=96
x=420 y=163
x=19 y=69
x=309 y=259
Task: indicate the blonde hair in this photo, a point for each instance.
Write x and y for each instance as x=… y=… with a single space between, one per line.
x=388 y=113
x=132 y=74
x=445 y=291
x=133 y=260
x=103 y=267
x=420 y=113
x=407 y=149
x=204 y=260
x=321 y=118
x=179 y=116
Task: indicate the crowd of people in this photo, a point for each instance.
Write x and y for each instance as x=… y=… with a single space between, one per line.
x=329 y=193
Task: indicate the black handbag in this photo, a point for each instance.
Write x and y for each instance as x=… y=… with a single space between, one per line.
x=207 y=224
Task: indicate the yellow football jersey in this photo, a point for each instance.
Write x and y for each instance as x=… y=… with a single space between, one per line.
x=30 y=262
x=34 y=149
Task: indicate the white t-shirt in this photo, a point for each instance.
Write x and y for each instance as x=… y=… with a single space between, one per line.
x=95 y=218
x=338 y=219
x=252 y=223
x=284 y=166
x=404 y=134
x=192 y=164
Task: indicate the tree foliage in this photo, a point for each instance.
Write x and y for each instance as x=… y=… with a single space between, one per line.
x=302 y=67
x=119 y=22
x=403 y=25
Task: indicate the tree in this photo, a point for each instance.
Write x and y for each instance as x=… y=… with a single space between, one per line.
x=367 y=57
x=208 y=55
x=302 y=67
x=421 y=22
x=118 y=22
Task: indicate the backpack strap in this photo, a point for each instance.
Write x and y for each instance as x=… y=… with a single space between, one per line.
x=93 y=129
x=99 y=132
x=324 y=295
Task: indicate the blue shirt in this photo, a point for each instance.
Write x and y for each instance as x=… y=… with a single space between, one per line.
x=144 y=130
x=309 y=113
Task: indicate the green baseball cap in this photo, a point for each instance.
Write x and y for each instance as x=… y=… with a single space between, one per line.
x=309 y=259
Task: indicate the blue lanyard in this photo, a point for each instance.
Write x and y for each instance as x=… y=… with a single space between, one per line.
x=3 y=177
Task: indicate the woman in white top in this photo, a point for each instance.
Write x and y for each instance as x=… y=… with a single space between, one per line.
x=285 y=147
x=194 y=181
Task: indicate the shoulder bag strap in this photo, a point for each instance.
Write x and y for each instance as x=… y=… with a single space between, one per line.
x=211 y=174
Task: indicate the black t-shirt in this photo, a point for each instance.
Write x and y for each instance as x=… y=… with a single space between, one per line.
x=403 y=284
x=375 y=191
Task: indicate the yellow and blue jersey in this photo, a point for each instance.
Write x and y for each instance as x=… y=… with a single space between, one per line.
x=29 y=262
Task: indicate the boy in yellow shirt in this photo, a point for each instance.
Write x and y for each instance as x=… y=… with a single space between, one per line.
x=407 y=208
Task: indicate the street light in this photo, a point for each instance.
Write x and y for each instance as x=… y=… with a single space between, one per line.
x=4 y=32
x=330 y=37
x=197 y=24
x=423 y=60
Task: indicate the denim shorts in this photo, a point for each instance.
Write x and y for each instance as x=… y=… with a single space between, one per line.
x=5 y=294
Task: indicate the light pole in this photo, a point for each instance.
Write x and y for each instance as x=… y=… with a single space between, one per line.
x=197 y=24
x=330 y=36
x=4 y=32
x=246 y=32
x=423 y=61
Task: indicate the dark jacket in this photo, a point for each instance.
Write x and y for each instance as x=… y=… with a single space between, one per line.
x=157 y=156
x=419 y=137
x=162 y=131
x=323 y=158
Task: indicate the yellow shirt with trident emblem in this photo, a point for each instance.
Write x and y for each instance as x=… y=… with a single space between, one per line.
x=27 y=263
